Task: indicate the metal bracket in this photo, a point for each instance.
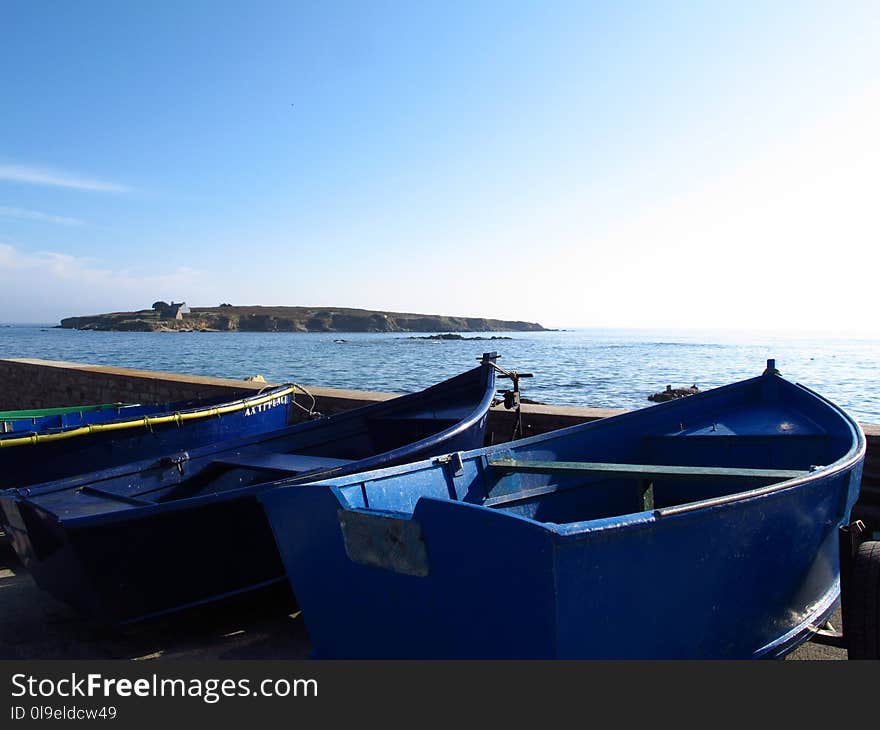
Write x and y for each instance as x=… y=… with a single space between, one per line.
x=177 y=460
x=454 y=461
x=828 y=636
x=512 y=400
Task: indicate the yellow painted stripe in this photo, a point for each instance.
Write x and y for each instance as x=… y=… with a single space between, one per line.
x=147 y=421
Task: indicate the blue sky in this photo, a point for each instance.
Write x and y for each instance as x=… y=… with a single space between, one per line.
x=578 y=164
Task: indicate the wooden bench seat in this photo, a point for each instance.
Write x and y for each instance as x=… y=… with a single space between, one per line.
x=646 y=474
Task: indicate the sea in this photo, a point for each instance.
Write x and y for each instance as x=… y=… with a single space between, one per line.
x=587 y=367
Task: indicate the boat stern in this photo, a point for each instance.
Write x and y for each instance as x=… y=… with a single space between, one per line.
x=41 y=543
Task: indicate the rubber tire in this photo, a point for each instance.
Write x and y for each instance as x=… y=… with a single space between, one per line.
x=863 y=603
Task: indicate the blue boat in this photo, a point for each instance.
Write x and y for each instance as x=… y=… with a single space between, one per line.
x=59 y=445
x=704 y=527
x=36 y=420
x=145 y=539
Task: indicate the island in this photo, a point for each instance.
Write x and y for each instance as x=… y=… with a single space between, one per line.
x=178 y=317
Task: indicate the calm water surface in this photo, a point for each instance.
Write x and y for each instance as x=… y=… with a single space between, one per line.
x=605 y=368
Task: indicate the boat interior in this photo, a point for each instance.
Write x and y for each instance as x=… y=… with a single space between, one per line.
x=636 y=464
x=307 y=450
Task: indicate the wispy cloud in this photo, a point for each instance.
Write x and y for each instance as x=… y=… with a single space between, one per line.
x=56 y=178
x=77 y=285
x=36 y=215
x=84 y=271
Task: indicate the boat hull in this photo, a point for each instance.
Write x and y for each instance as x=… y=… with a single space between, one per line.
x=97 y=543
x=487 y=562
x=147 y=564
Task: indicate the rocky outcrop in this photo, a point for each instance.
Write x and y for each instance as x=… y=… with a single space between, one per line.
x=451 y=336
x=672 y=393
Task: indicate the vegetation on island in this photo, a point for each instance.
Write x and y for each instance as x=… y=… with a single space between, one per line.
x=163 y=316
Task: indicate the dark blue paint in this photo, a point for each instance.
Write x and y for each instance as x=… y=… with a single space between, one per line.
x=22 y=465
x=717 y=569
x=155 y=536
x=24 y=424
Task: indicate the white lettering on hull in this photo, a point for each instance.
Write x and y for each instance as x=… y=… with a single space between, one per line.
x=274 y=403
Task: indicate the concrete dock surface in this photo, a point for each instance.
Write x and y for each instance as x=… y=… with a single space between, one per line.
x=266 y=626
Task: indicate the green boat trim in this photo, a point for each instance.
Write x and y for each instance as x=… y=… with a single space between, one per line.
x=59 y=411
